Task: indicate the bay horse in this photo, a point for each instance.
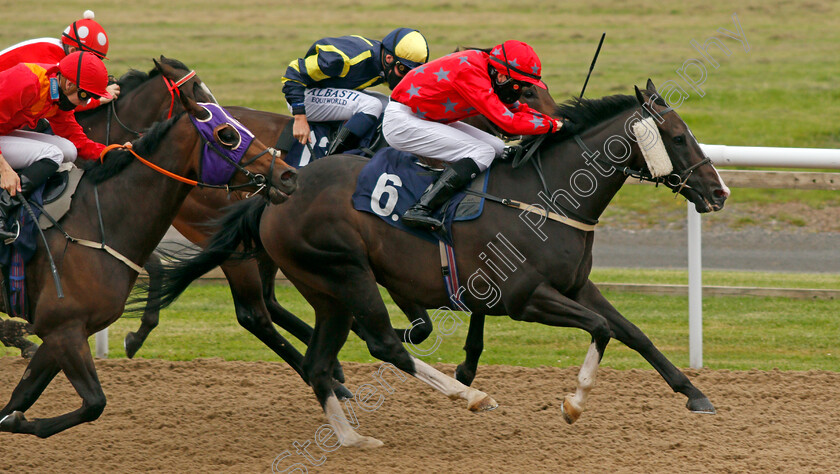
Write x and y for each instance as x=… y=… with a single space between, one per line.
x=335 y=256
x=128 y=204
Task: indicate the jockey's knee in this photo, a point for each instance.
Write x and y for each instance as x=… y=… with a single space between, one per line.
x=369 y=105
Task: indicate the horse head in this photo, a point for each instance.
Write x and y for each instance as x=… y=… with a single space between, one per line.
x=232 y=156
x=673 y=154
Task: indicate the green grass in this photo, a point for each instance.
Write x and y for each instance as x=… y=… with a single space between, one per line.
x=782 y=92
x=739 y=332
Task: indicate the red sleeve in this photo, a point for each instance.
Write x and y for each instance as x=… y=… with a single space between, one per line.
x=64 y=125
x=19 y=89
x=478 y=91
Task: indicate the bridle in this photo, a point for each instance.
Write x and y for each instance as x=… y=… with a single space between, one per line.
x=210 y=143
x=174 y=90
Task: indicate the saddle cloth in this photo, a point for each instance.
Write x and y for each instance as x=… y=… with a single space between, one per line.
x=393 y=181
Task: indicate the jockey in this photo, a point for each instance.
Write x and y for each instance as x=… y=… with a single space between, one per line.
x=81 y=35
x=29 y=92
x=424 y=116
x=321 y=86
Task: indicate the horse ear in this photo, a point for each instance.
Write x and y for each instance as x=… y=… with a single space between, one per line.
x=650 y=87
x=192 y=107
x=639 y=96
x=157 y=64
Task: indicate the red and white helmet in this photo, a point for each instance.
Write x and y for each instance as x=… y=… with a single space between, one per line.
x=86 y=35
x=519 y=61
x=87 y=71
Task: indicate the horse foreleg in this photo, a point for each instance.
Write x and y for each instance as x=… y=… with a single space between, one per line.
x=473 y=346
x=13 y=334
x=38 y=374
x=72 y=352
x=634 y=338
x=548 y=306
x=331 y=328
x=151 y=317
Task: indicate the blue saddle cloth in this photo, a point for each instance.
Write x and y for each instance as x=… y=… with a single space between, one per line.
x=14 y=257
x=393 y=181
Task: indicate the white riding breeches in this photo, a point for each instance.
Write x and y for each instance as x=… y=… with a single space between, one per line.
x=330 y=104
x=21 y=148
x=405 y=131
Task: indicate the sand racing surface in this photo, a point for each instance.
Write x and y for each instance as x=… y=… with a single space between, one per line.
x=209 y=415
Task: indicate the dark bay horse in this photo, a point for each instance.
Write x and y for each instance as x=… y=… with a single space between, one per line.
x=137 y=204
x=252 y=281
x=335 y=256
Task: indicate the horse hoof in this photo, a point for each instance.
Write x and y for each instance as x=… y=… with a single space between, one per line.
x=28 y=352
x=338 y=374
x=342 y=393
x=363 y=442
x=11 y=423
x=486 y=403
x=570 y=412
x=131 y=345
x=463 y=375
x=701 y=405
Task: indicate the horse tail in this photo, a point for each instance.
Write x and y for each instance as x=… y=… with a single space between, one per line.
x=237 y=239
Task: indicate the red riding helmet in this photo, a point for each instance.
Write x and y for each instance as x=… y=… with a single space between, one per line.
x=87 y=71
x=86 y=35
x=519 y=61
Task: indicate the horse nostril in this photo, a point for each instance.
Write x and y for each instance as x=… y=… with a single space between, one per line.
x=288 y=175
x=720 y=192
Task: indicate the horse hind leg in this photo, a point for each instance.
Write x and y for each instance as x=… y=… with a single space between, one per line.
x=72 y=352
x=473 y=347
x=366 y=304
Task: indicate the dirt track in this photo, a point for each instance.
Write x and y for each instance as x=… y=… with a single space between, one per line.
x=210 y=415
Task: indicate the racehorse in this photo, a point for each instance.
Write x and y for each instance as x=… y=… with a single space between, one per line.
x=128 y=202
x=252 y=281
x=335 y=255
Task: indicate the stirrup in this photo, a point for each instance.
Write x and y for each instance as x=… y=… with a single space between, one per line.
x=11 y=240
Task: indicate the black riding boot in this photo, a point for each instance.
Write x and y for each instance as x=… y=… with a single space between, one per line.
x=36 y=174
x=451 y=180
x=351 y=132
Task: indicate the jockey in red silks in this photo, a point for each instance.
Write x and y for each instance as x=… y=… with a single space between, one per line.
x=81 y=35
x=424 y=116
x=30 y=92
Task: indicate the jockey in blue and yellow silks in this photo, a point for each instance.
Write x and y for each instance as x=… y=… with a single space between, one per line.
x=324 y=85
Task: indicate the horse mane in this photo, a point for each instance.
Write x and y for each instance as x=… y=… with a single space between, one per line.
x=133 y=78
x=586 y=113
x=117 y=160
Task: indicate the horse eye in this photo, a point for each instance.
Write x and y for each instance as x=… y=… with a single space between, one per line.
x=679 y=140
x=227 y=135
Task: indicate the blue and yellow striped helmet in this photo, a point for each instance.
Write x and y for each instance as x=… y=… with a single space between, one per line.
x=408 y=46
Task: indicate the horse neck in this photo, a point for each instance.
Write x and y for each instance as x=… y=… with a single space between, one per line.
x=138 y=109
x=139 y=204
x=580 y=185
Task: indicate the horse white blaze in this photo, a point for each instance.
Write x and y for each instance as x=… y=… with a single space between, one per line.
x=346 y=434
x=451 y=387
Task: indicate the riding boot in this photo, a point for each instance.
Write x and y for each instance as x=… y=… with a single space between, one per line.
x=350 y=134
x=6 y=209
x=36 y=174
x=451 y=180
